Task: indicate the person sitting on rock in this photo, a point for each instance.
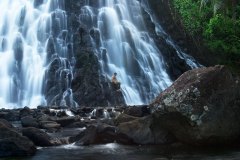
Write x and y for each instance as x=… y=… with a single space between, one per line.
x=116 y=84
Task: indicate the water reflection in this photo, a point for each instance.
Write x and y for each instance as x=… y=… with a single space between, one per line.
x=115 y=151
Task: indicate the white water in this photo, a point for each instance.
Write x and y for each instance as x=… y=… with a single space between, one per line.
x=131 y=52
x=27 y=31
x=160 y=32
x=24 y=33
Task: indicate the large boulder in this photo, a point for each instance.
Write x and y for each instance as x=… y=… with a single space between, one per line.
x=26 y=111
x=39 y=137
x=10 y=115
x=202 y=107
x=140 y=131
x=137 y=111
x=65 y=121
x=100 y=134
x=13 y=144
x=6 y=123
x=29 y=121
x=121 y=118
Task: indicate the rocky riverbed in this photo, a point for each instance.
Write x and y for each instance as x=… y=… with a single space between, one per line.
x=201 y=108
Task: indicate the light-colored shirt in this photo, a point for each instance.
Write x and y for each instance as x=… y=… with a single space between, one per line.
x=114 y=79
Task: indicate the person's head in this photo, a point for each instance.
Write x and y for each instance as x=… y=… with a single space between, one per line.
x=115 y=74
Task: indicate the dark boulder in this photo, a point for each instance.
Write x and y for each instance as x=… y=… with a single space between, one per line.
x=65 y=121
x=10 y=115
x=13 y=144
x=78 y=124
x=100 y=134
x=6 y=123
x=50 y=125
x=137 y=111
x=140 y=131
x=29 y=121
x=39 y=137
x=95 y=135
x=26 y=111
x=201 y=107
x=121 y=118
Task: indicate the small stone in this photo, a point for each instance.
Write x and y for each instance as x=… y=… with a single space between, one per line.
x=180 y=93
x=206 y=108
x=196 y=92
x=194 y=117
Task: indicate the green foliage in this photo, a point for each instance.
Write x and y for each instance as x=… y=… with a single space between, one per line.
x=217 y=22
x=193 y=19
x=222 y=35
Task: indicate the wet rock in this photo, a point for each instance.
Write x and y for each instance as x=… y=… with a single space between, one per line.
x=65 y=121
x=10 y=115
x=89 y=88
x=100 y=134
x=29 y=121
x=37 y=3
x=43 y=117
x=26 y=111
x=83 y=111
x=39 y=137
x=123 y=118
x=95 y=34
x=58 y=80
x=6 y=123
x=170 y=21
x=49 y=125
x=79 y=124
x=137 y=111
x=141 y=132
x=61 y=114
x=201 y=107
x=18 y=49
x=50 y=48
x=13 y=144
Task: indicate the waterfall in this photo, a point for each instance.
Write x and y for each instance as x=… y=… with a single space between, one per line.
x=32 y=32
x=124 y=46
x=37 y=50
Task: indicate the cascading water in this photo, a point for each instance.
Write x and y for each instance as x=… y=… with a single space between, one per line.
x=37 y=51
x=125 y=47
x=32 y=35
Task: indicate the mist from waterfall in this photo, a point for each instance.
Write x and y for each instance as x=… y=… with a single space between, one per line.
x=37 y=53
x=125 y=47
x=25 y=29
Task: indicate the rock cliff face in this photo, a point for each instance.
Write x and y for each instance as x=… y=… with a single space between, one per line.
x=89 y=87
x=201 y=107
x=175 y=65
x=171 y=23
